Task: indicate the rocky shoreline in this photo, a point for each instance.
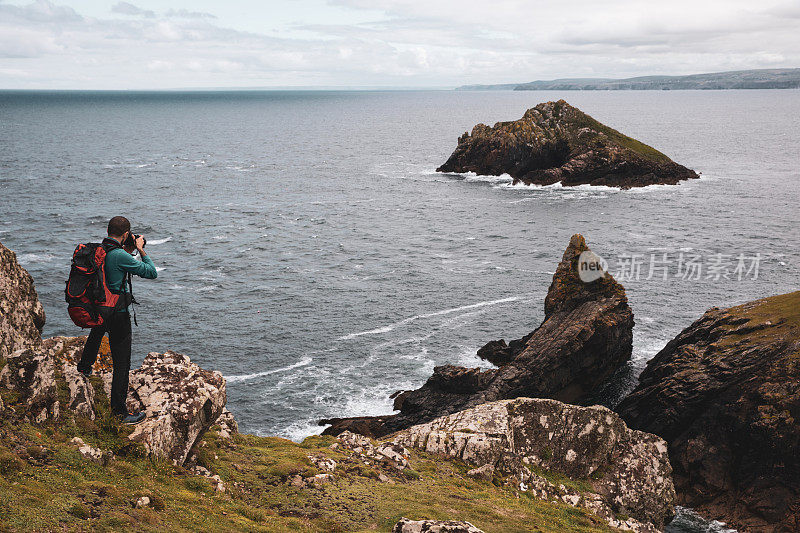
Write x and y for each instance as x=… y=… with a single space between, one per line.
x=586 y=335
x=725 y=395
x=555 y=142
x=712 y=425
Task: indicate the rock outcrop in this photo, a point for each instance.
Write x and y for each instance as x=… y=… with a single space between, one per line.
x=586 y=335
x=627 y=472
x=181 y=399
x=555 y=142
x=434 y=526
x=725 y=394
x=31 y=374
x=21 y=313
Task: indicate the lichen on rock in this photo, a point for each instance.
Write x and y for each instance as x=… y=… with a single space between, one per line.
x=626 y=472
x=21 y=313
x=181 y=401
x=406 y=525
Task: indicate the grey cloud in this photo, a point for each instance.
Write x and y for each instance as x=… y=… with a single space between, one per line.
x=126 y=8
x=40 y=11
x=183 y=13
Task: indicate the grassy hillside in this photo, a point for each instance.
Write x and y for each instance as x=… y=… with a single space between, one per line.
x=46 y=485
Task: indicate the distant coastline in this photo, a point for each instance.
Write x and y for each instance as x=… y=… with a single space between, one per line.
x=781 y=78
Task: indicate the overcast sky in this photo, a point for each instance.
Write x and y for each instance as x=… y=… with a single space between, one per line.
x=149 y=44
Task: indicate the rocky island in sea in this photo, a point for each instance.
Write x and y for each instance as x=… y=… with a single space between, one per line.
x=711 y=425
x=555 y=142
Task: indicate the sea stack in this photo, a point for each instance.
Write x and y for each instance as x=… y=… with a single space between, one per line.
x=556 y=142
x=586 y=336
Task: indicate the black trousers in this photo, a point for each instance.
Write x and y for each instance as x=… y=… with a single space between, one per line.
x=118 y=327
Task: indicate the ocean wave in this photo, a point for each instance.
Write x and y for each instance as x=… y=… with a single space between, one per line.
x=298 y=431
x=390 y=327
x=160 y=241
x=468 y=358
x=35 y=258
x=479 y=178
x=246 y=377
x=681 y=186
x=206 y=288
x=688 y=520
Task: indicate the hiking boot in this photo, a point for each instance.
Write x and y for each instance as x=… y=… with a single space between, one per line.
x=133 y=418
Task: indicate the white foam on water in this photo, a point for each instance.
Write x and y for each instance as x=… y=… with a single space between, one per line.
x=390 y=327
x=35 y=258
x=471 y=177
x=206 y=288
x=160 y=269
x=468 y=357
x=160 y=241
x=688 y=520
x=681 y=186
x=298 y=431
x=533 y=186
x=246 y=377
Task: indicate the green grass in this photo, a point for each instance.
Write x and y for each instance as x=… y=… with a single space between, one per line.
x=644 y=150
x=782 y=311
x=59 y=490
x=556 y=478
x=45 y=485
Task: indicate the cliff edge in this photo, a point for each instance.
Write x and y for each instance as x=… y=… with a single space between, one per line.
x=725 y=395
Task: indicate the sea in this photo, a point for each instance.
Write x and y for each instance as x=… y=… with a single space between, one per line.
x=307 y=248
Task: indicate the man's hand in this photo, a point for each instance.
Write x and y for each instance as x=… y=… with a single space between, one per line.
x=140 y=244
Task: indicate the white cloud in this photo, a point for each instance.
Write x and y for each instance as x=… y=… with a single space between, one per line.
x=390 y=42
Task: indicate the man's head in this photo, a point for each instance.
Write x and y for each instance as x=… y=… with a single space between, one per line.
x=118 y=227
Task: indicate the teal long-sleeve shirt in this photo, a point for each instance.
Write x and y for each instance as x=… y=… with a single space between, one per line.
x=119 y=262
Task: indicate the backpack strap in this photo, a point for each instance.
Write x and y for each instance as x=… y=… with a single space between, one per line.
x=112 y=244
x=109 y=244
x=133 y=300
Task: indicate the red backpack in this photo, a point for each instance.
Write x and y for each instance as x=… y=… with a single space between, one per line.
x=90 y=301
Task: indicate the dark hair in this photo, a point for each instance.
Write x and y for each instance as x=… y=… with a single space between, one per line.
x=117 y=226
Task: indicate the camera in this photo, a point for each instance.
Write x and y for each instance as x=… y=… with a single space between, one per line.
x=130 y=242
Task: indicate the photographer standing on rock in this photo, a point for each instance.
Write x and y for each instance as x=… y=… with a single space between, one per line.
x=120 y=265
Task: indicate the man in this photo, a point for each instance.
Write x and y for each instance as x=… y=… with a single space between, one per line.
x=119 y=264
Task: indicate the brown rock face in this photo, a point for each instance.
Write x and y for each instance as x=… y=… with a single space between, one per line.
x=725 y=395
x=21 y=314
x=586 y=335
x=555 y=142
x=624 y=472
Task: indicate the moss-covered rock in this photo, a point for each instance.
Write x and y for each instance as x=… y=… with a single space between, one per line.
x=556 y=142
